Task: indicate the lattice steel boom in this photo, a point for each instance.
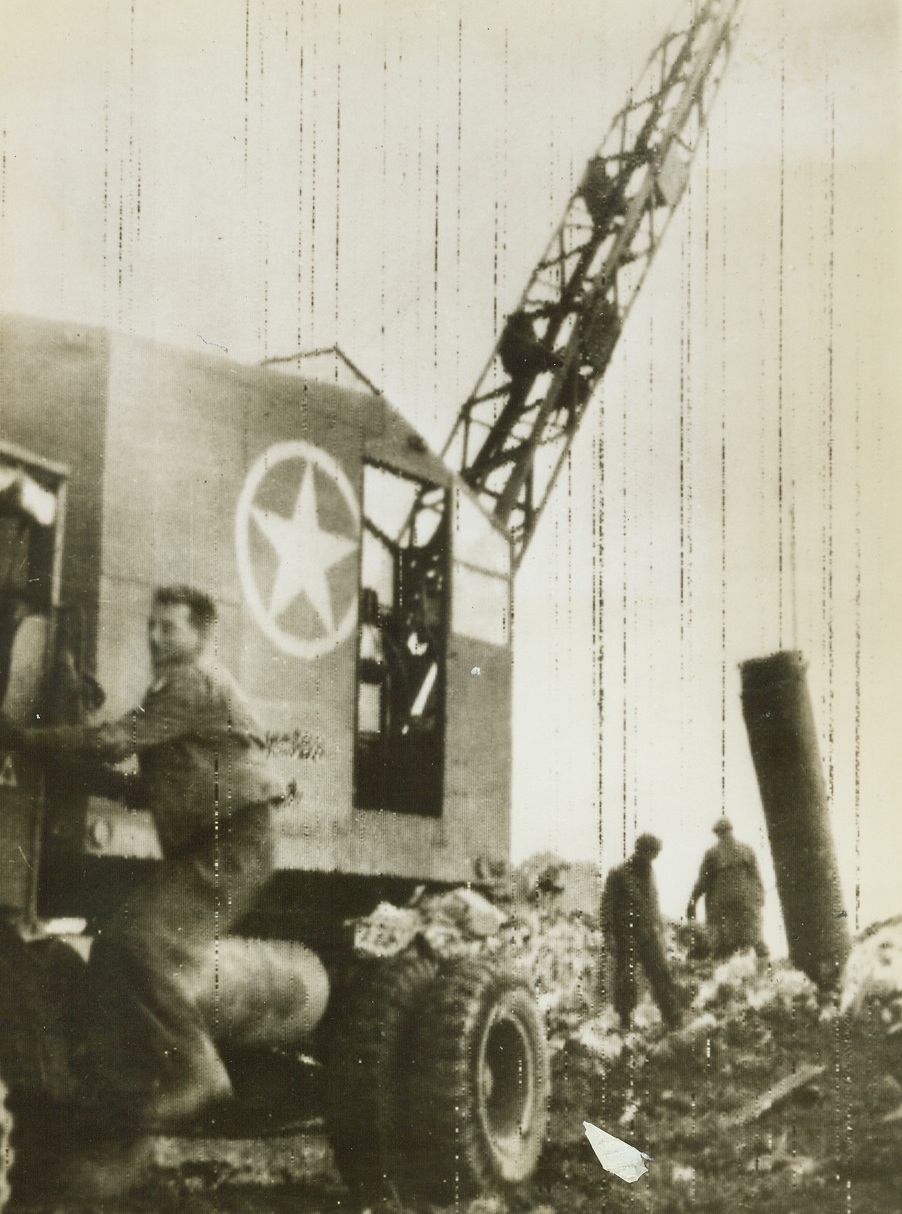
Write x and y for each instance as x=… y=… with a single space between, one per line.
x=513 y=433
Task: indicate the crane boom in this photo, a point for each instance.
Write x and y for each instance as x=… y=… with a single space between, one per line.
x=513 y=433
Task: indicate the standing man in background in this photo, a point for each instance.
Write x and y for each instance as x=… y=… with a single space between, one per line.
x=730 y=883
x=632 y=927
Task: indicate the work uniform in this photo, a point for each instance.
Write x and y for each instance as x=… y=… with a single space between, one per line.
x=204 y=775
x=730 y=883
x=631 y=923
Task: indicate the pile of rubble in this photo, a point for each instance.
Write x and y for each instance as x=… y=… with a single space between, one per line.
x=771 y=1090
x=873 y=975
x=770 y=1087
x=558 y=951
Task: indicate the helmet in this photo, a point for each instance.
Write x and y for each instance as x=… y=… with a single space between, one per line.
x=648 y=845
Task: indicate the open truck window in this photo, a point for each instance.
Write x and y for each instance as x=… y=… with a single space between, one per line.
x=402 y=642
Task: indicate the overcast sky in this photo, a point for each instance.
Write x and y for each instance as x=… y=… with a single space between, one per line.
x=265 y=177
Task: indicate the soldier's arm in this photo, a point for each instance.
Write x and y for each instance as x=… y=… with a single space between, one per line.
x=70 y=740
x=702 y=885
x=653 y=927
x=77 y=746
x=173 y=707
x=170 y=709
x=609 y=902
x=84 y=772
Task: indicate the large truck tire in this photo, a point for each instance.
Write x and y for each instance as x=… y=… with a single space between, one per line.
x=7 y=1156
x=367 y=1058
x=480 y=1084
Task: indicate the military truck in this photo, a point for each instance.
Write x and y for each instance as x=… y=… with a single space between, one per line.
x=364 y=585
x=360 y=586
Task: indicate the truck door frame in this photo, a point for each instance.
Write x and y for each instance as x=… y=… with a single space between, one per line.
x=60 y=474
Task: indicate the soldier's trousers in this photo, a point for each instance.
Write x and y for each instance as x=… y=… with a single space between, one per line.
x=629 y=950
x=735 y=925
x=153 y=964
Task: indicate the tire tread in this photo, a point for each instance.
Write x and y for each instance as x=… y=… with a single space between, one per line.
x=366 y=1058
x=450 y=1157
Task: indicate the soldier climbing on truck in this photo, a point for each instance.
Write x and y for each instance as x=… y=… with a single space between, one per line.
x=205 y=777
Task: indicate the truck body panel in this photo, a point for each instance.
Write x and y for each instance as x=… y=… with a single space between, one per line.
x=187 y=467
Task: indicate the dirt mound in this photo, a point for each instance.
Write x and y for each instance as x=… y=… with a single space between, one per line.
x=768 y=1093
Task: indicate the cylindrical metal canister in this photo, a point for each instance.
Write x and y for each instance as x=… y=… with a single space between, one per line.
x=780 y=721
x=267 y=992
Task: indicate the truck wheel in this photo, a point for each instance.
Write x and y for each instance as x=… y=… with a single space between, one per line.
x=479 y=1088
x=6 y=1148
x=366 y=1056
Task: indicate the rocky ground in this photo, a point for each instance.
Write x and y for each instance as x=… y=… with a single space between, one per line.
x=770 y=1098
x=766 y=1101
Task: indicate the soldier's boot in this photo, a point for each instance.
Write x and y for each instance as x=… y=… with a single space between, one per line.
x=203 y=1083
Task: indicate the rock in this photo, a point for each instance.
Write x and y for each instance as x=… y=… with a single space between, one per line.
x=601 y=1035
x=885 y=1093
x=386 y=931
x=677 y=1100
x=470 y=911
x=727 y=978
x=628 y=1116
x=561 y=887
x=487 y=1205
x=802 y=1165
x=874 y=967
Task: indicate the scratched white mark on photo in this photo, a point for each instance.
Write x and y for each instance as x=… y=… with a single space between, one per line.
x=615 y=1155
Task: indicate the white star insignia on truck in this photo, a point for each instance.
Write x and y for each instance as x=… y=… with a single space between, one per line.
x=284 y=557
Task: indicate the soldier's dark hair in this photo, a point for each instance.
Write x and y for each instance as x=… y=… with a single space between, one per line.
x=201 y=608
